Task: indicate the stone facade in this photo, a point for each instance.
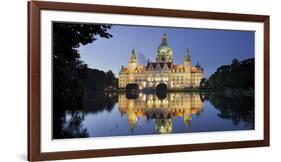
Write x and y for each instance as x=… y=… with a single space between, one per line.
x=163 y=70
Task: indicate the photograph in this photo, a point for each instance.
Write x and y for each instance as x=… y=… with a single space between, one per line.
x=109 y=80
x=112 y=80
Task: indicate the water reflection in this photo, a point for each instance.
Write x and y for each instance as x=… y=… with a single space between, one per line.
x=120 y=114
x=162 y=110
x=236 y=107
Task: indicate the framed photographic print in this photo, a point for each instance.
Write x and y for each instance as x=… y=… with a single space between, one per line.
x=116 y=80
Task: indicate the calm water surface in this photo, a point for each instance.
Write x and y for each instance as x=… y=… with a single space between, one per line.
x=121 y=114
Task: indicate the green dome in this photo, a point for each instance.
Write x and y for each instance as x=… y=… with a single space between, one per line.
x=162 y=49
x=163 y=45
x=164 y=52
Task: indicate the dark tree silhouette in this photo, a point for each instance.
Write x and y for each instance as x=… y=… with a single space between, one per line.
x=111 y=80
x=238 y=75
x=95 y=81
x=68 y=69
x=204 y=84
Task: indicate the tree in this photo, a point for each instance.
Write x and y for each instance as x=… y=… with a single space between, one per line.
x=68 y=69
x=235 y=63
x=204 y=84
x=237 y=75
x=95 y=81
x=110 y=79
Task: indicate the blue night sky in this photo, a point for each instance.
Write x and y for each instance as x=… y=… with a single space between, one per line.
x=211 y=48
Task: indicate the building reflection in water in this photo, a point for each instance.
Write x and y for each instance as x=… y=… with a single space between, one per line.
x=162 y=108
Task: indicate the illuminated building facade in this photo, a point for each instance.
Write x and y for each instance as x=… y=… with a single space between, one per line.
x=163 y=70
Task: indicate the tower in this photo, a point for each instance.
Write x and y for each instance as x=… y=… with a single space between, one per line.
x=187 y=61
x=132 y=117
x=132 y=62
x=164 y=52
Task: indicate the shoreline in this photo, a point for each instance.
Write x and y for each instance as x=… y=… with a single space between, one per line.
x=224 y=91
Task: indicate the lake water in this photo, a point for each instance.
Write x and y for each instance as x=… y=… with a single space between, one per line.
x=121 y=114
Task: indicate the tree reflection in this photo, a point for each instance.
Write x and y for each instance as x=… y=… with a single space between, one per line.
x=237 y=107
x=73 y=127
x=69 y=123
x=162 y=109
x=98 y=101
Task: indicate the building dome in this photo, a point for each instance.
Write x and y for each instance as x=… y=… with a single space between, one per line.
x=164 y=126
x=164 y=52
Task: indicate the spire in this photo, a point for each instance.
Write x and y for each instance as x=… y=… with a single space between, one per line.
x=164 y=39
x=133 y=57
x=187 y=55
x=198 y=65
x=133 y=51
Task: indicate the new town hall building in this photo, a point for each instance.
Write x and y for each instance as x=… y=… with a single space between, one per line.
x=163 y=70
